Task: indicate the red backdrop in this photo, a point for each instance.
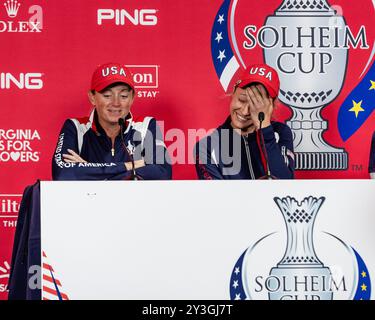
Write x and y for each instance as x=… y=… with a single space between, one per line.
x=45 y=74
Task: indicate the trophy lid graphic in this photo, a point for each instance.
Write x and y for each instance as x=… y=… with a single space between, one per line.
x=314 y=7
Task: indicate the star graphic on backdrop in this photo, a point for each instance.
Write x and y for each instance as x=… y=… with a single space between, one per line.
x=218 y=36
x=357 y=108
x=221 y=18
x=372 y=85
x=238 y=297
x=363 y=274
x=363 y=287
x=237 y=270
x=221 y=55
x=235 y=284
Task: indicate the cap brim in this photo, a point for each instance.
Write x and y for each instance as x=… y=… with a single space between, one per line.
x=270 y=90
x=104 y=84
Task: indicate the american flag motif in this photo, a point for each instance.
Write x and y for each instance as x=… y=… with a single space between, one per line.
x=236 y=288
x=223 y=57
x=52 y=288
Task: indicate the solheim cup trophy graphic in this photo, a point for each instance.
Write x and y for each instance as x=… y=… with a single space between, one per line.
x=311 y=62
x=300 y=275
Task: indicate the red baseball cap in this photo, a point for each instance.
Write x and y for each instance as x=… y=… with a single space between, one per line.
x=109 y=73
x=263 y=74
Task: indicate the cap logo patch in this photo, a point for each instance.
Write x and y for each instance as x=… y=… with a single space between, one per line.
x=113 y=71
x=261 y=72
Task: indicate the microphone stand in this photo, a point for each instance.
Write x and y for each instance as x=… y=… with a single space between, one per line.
x=122 y=125
x=268 y=175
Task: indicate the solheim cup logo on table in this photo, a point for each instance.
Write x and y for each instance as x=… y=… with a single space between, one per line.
x=309 y=43
x=325 y=269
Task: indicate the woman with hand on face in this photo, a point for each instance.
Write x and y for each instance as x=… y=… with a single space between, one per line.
x=249 y=145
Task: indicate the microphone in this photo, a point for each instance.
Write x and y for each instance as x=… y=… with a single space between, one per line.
x=121 y=123
x=268 y=175
x=261 y=118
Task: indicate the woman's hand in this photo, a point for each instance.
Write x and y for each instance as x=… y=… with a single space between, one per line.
x=73 y=157
x=137 y=164
x=259 y=101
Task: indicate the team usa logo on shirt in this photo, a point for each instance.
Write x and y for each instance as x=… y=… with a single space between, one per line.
x=131 y=148
x=309 y=43
x=315 y=266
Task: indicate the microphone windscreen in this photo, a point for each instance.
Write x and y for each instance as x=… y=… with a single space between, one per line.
x=121 y=122
x=261 y=116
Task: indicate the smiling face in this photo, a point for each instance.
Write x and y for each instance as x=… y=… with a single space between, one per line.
x=112 y=103
x=241 y=107
x=240 y=110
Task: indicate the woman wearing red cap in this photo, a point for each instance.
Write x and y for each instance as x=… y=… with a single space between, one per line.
x=248 y=145
x=110 y=143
